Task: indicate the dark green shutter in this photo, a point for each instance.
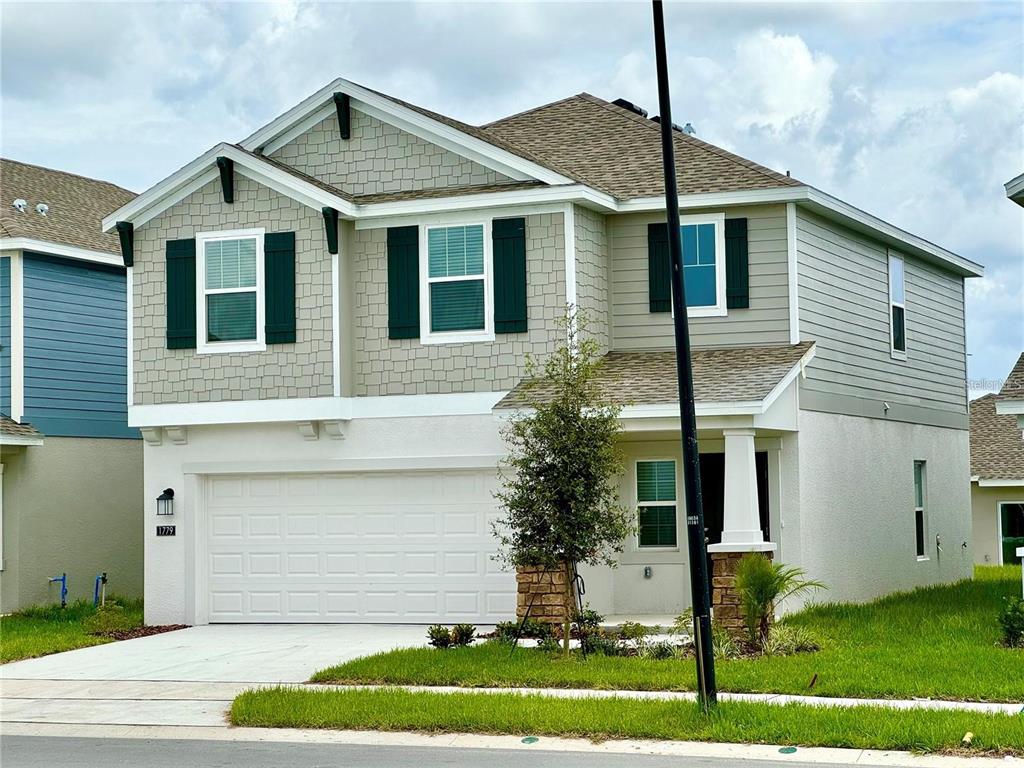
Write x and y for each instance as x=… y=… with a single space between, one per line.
x=737 y=268
x=509 y=236
x=403 y=283
x=181 y=294
x=279 y=279
x=659 y=270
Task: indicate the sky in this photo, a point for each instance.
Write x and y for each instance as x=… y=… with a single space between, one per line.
x=913 y=111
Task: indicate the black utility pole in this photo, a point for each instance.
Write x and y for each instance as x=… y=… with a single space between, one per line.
x=699 y=586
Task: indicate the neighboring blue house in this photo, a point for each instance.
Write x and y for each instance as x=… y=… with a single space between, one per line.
x=70 y=467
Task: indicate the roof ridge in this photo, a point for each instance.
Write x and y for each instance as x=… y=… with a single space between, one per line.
x=699 y=143
x=525 y=112
x=90 y=179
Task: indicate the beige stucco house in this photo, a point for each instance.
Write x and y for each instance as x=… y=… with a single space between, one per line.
x=330 y=320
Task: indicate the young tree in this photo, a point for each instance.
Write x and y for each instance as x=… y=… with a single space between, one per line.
x=559 y=481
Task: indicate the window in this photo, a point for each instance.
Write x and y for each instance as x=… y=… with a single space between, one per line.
x=703 y=240
x=1011 y=531
x=897 y=308
x=458 y=305
x=920 y=521
x=230 y=284
x=656 y=500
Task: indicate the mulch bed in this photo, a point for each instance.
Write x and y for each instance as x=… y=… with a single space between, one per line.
x=131 y=634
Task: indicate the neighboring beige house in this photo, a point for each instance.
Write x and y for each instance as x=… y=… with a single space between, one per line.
x=997 y=475
x=331 y=318
x=70 y=466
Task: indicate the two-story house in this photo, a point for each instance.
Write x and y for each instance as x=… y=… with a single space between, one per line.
x=70 y=466
x=330 y=320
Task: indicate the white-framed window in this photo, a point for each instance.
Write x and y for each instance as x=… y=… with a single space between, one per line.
x=230 y=291
x=703 y=239
x=1009 y=531
x=920 y=512
x=456 y=294
x=897 y=307
x=656 y=503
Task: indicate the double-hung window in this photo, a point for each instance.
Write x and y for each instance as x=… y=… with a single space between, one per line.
x=230 y=308
x=897 y=308
x=703 y=239
x=656 y=502
x=920 y=517
x=457 y=299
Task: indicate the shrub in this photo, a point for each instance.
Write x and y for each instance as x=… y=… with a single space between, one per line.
x=633 y=630
x=785 y=640
x=600 y=643
x=462 y=635
x=683 y=624
x=439 y=636
x=108 y=619
x=1011 y=620
x=761 y=585
x=586 y=620
x=724 y=645
x=508 y=631
x=660 y=650
x=548 y=644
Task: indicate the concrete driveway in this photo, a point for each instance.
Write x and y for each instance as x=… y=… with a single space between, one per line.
x=184 y=678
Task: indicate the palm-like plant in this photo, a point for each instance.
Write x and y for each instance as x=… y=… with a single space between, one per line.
x=761 y=585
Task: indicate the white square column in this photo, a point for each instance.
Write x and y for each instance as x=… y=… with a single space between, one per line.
x=741 y=519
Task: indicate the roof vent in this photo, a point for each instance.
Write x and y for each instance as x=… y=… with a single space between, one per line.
x=631 y=107
x=20 y=205
x=42 y=209
x=675 y=126
x=689 y=130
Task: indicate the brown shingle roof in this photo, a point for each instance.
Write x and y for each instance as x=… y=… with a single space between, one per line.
x=1013 y=387
x=728 y=375
x=10 y=428
x=997 y=447
x=77 y=206
x=619 y=151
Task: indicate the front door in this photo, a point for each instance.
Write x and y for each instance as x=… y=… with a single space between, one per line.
x=1011 y=531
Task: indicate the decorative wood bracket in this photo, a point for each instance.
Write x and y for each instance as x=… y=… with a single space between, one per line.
x=126 y=233
x=151 y=435
x=341 y=103
x=177 y=435
x=227 y=178
x=331 y=228
x=334 y=429
x=308 y=430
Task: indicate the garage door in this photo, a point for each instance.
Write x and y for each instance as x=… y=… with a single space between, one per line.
x=376 y=547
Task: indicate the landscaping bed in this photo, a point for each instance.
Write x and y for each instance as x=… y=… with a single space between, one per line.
x=940 y=642
x=861 y=727
x=42 y=630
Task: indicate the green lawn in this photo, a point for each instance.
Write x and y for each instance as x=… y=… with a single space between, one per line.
x=939 y=642
x=794 y=724
x=48 y=629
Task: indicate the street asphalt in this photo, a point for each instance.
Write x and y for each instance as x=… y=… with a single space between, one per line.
x=61 y=752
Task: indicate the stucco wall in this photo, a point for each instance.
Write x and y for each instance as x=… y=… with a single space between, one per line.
x=985 y=518
x=386 y=366
x=379 y=158
x=71 y=505
x=302 y=369
x=592 y=266
x=857 y=504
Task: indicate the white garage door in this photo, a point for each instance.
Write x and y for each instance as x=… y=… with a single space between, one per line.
x=409 y=547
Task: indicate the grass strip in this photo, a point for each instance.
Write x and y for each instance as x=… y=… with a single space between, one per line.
x=939 y=642
x=862 y=727
x=47 y=629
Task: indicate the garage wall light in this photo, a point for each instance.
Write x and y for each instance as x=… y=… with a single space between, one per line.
x=165 y=502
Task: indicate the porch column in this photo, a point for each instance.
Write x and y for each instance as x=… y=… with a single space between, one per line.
x=741 y=528
x=741 y=519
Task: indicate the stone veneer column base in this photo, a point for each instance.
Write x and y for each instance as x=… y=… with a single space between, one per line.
x=725 y=602
x=546 y=588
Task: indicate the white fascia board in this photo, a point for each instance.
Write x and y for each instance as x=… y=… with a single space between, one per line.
x=715 y=199
x=313 y=409
x=996 y=483
x=671 y=410
x=846 y=214
x=789 y=378
x=409 y=120
x=1015 y=187
x=1010 y=407
x=199 y=172
x=10 y=440
x=561 y=194
x=59 y=249
x=569 y=231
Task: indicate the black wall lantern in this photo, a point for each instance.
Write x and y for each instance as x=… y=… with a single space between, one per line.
x=165 y=502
